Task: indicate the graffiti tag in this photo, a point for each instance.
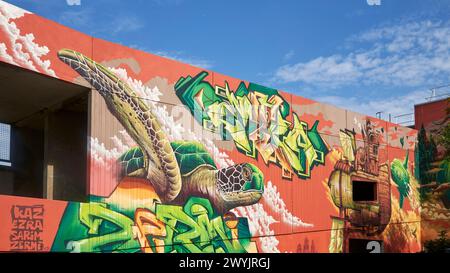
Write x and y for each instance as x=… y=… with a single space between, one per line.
x=27 y=227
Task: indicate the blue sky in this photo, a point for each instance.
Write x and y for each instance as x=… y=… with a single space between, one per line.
x=363 y=57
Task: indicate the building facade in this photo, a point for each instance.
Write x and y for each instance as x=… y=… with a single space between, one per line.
x=117 y=150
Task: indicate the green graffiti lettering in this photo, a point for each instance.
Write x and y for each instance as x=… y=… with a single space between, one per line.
x=190 y=230
x=254 y=117
x=92 y=215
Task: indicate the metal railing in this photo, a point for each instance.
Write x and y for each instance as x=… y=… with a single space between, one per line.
x=403 y=119
x=439 y=92
x=407 y=119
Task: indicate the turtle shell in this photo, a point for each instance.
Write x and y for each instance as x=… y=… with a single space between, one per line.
x=131 y=161
x=190 y=156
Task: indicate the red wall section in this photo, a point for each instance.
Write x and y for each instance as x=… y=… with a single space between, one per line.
x=427 y=113
x=29 y=224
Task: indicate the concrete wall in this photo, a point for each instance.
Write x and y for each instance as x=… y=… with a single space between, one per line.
x=65 y=155
x=27 y=149
x=49 y=159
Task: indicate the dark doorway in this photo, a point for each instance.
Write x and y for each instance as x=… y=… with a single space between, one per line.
x=364 y=190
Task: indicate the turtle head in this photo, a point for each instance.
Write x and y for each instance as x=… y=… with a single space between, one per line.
x=240 y=185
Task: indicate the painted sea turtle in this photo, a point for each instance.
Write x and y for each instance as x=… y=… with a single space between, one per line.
x=198 y=170
x=176 y=170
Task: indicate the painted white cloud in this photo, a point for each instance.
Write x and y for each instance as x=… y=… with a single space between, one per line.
x=22 y=48
x=408 y=54
x=102 y=155
x=4 y=54
x=11 y=11
x=259 y=221
x=276 y=203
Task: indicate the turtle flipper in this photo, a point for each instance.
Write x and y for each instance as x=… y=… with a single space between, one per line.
x=137 y=118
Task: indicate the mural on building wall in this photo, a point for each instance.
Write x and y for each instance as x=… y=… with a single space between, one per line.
x=283 y=172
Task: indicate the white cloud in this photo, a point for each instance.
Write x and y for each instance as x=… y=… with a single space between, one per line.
x=395 y=105
x=76 y=17
x=408 y=54
x=373 y=2
x=125 y=24
x=178 y=56
x=167 y=2
x=73 y=2
x=331 y=71
x=113 y=24
x=288 y=55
